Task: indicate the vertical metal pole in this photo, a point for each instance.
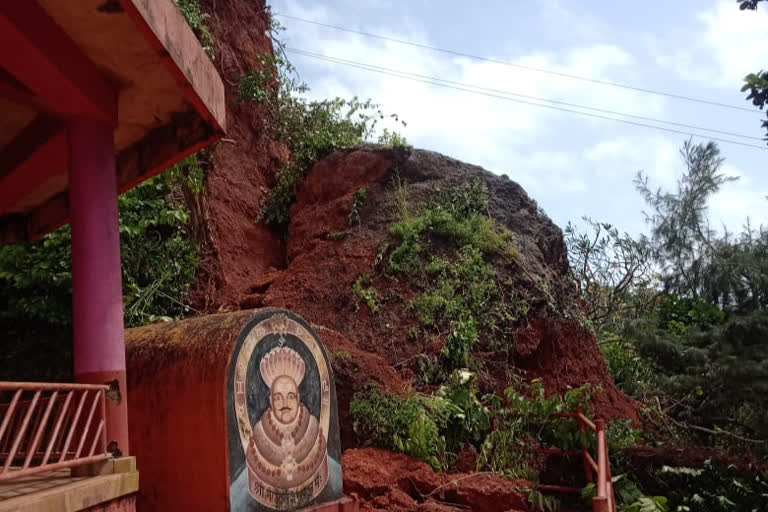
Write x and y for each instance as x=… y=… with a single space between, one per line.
x=584 y=448
x=97 y=300
x=601 y=502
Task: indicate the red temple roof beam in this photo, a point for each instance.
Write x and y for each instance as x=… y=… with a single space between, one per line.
x=134 y=64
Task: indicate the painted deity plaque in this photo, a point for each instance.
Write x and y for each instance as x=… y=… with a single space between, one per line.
x=282 y=421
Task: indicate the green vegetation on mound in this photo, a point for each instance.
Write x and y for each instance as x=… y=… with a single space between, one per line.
x=448 y=248
x=309 y=130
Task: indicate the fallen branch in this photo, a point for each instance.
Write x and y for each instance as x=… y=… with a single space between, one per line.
x=455 y=481
x=719 y=432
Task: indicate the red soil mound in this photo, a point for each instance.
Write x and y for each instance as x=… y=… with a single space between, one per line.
x=243 y=166
x=396 y=482
x=244 y=265
x=320 y=272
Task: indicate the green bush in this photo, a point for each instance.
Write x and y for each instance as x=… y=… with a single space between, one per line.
x=455 y=352
x=631 y=373
x=397 y=424
x=713 y=488
x=309 y=129
x=366 y=294
x=629 y=497
x=524 y=421
x=428 y=427
x=715 y=378
x=357 y=203
x=158 y=266
x=197 y=22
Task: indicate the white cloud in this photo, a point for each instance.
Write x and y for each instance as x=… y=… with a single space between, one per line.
x=658 y=157
x=480 y=129
x=572 y=165
x=739 y=200
x=725 y=45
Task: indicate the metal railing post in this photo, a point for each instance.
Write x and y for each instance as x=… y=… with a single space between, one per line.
x=584 y=448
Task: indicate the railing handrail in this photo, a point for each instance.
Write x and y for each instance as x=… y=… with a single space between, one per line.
x=49 y=386
x=600 y=466
x=62 y=425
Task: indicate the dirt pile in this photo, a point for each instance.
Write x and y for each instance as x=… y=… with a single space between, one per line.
x=325 y=254
x=392 y=481
x=328 y=249
x=241 y=168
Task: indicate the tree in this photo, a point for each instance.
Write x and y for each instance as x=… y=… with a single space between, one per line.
x=755 y=83
x=612 y=272
x=683 y=242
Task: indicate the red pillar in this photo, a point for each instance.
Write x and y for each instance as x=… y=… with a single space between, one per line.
x=97 y=299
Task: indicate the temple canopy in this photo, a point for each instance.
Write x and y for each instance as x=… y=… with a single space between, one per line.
x=132 y=64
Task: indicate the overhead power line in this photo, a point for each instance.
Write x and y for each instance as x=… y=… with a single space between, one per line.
x=522 y=66
x=526 y=96
x=495 y=93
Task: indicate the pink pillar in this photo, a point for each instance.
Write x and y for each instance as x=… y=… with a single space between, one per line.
x=97 y=298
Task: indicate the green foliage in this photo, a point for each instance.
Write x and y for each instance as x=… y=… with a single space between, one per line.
x=465 y=287
x=459 y=291
x=631 y=372
x=188 y=173
x=716 y=378
x=35 y=309
x=37 y=282
x=158 y=266
x=357 y=203
x=398 y=424
x=677 y=313
x=469 y=420
x=366 y=294
x=429 y=428
x=692 y=347
x=540 y=501
x=197 y=21
x=455 y=352
x=312 y=130
x=392 y=139
x=621 y=435
x=612 y=272
x=457 y=216
x=755 y=83
x=696 y=262
x=159 y=259
x=255 y=85
x=713 y=488
x=337 y=235
x=629 y=497
x=309 y=129
x=524 y=421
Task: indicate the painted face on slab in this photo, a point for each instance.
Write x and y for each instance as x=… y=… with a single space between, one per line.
x=285 y=399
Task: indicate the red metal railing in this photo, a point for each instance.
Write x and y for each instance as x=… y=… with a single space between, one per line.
x=46 y=426
x=599 y=469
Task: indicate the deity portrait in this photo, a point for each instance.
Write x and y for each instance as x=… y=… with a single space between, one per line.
x=283 y=429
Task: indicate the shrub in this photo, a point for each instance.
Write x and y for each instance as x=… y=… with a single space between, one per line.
x=309 y=129
x=366 y=294
x=158 y=266
x=398 y=424
x=196 y=19
x=357 y=203
x=430 y=428
x=524 y=420
x=631 y=373
x=713 y=488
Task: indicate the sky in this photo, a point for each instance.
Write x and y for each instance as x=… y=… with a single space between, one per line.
x=572 y=165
